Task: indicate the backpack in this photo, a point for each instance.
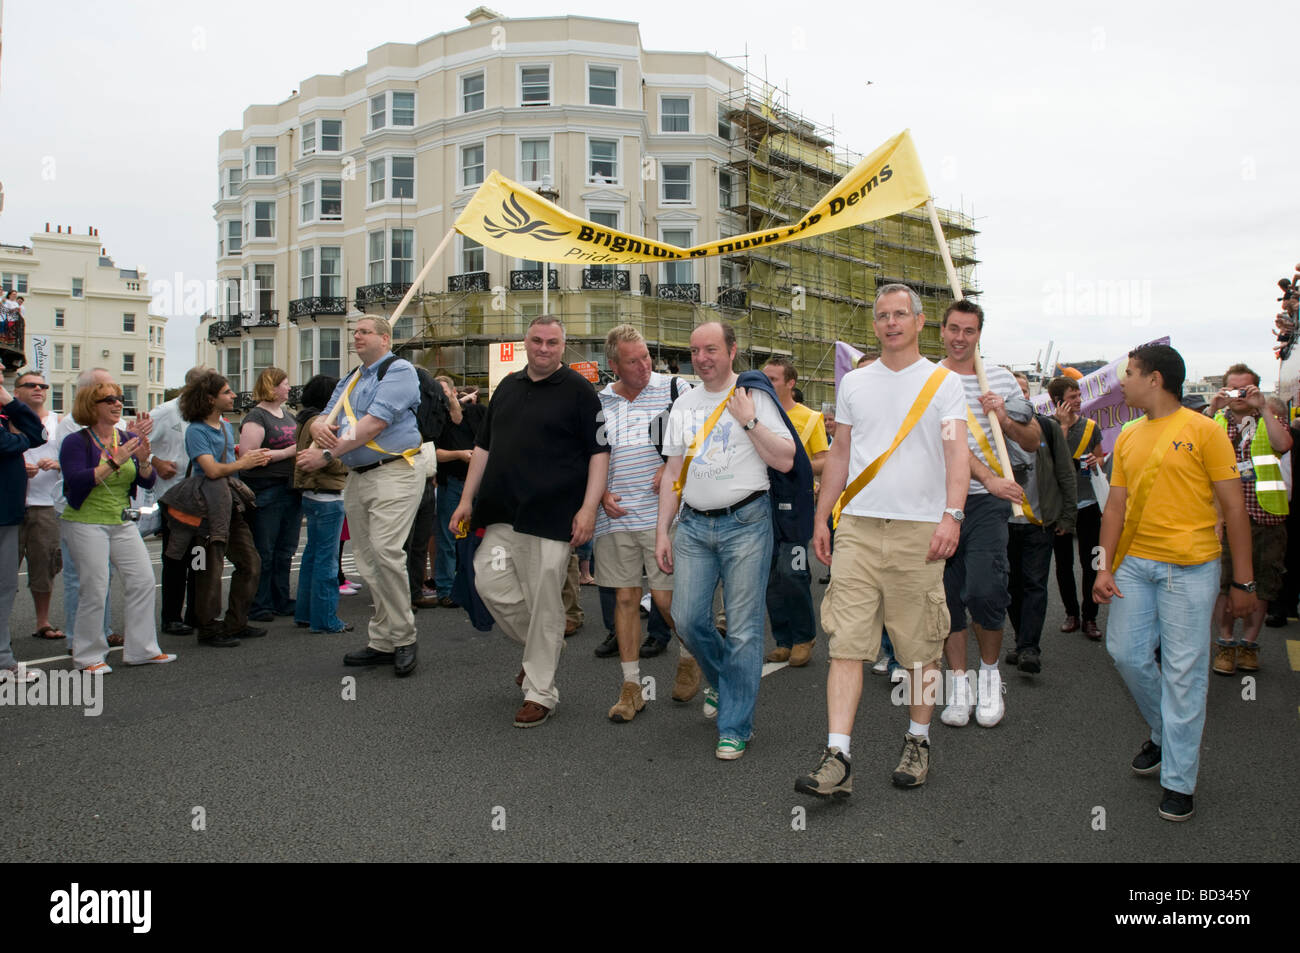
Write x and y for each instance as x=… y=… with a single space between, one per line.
x=431 y=415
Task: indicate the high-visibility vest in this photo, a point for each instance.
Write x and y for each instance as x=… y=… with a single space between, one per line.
x=1270 y=490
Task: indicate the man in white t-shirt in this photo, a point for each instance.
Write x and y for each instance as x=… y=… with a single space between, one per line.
x=38 y=541
x=894 y=534
x=977 y=576
x=725 y=531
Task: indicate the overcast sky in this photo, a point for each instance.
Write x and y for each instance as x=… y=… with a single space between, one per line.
x=1151 y=156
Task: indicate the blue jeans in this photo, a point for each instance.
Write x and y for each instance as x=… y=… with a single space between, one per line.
x=275 y=524
x=1166 y=607
x=318 y=579
x=444 y=564
x=71 y=593
x=736 y=548
x=789 y=595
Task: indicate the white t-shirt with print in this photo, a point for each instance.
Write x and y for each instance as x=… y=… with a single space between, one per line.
x=726 y=468
x=873 y=400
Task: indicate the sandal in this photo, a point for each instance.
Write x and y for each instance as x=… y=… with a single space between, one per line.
x=48 y=632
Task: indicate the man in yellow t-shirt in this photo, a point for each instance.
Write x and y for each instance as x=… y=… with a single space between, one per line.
x=789 y=583
x=1160 y=560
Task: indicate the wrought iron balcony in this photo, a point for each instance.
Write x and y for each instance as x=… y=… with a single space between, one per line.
x=471 y=281
x=679 y=292
x=606 y=279
x=532 y=280
x=260 y=319
x=645 y=285
x=219 y=330
x=244 y=401
x=384 y=291
x=310 y=307
x=733 y=298
x=295 y=395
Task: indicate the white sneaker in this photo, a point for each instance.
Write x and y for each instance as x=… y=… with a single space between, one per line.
x=19 y=673
x=881 y=666
x=710 y=707
x=961 y=697
x=991 y=707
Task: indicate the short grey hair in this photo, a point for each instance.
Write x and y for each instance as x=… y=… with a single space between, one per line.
x=547 y=319
x=87 y=377
x=617 y=335
x=913 y=298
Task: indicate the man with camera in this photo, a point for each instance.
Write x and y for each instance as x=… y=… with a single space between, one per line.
x=1239 y=410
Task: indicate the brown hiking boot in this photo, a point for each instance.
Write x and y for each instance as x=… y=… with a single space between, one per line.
x=687 y=682
x=1247 y=657
x=1225 y=658
x=778 y=654
x=630 y=701
x=801 y=654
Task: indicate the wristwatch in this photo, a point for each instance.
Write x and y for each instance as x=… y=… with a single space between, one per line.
x=955 y=513
x=1244 y=586
x=752 y=424
x=327 y=456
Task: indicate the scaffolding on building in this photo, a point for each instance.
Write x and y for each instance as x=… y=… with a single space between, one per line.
x=795 y=299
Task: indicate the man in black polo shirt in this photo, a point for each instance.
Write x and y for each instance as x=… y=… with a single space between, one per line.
x=535 y=479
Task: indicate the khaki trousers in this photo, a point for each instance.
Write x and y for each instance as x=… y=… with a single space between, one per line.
x=519 y=578
x=380 y=505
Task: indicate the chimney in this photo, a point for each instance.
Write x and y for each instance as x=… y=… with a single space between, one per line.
x=47 y=226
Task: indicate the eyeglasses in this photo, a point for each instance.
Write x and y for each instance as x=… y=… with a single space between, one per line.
x=110 y=399
x=40 y=386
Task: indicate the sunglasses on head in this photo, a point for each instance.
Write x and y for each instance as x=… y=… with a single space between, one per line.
x=110 y=399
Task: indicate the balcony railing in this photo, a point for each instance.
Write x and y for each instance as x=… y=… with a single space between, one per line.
x=532 y=280
x=679 y=292
x=219 y=330
x=310 y=307
x=384 y=291
x=260 y=319
x=644 y=285
x=733 y=298
x=244 y=401
x=471 y=281
x=295 y=395
x=606 y=279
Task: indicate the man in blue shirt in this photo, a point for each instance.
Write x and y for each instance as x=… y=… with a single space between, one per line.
x=377 y=436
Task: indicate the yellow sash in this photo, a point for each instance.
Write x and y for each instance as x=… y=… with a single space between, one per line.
x=700 y=436
x=808 y=428
x=986 y=448
x=914 y=414
x=1088 y=428
x=1135 y=505
x=408 y=455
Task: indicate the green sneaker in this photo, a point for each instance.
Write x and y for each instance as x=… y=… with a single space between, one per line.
x=711 y=705
x=729 y=749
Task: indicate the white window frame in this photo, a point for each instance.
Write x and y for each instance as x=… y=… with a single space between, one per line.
x=550 y=159
x=59 y=320
x=317 y=212
x=307 y=135
x=371 y=113
x=618 y=161
x=371 y=261
x=410 y=276
x=15 y=281
x=461 y=251
x=460 y=91
x=336 y=275
x=125 y=329
x=78 y=288
x=690 y=114
x=254 y=220
x=392 y=109
x=463 y=183
x=258 y=161
x=307 y=202
x=729 y=193
x=388 y=122
x=323 y=134
x=690 y=184
x=689 y=262
x=307 y=272
x=618 y=84
x=234 y=237
x=550 y=84
x=392 y=178
x=388 y=179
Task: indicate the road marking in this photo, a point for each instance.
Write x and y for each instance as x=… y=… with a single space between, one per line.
x=63 y=658
x=770 y=667
x=1293 y=652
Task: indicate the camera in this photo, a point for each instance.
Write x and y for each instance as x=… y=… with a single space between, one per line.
x=1235 y=393
x=132 y=515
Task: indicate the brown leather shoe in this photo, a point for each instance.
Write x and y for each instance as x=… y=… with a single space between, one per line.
x=687 y=682
x=1071 y=624
x=1225 y=658
x=801 y=654
x=571 y=627
x=1247 y=657
x=630 y=701
x=778 y=654
x=1091 y=631
x=531 y=715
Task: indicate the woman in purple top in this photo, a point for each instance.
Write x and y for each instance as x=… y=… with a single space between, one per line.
x=102 y=467
x=277 y=519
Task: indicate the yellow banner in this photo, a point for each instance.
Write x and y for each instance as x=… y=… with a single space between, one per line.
x=509 y=218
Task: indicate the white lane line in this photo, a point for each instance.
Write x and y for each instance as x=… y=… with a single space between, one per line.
x=62 y=658
x=770 y=667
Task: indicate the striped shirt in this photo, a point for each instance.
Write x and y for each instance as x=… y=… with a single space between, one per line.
x=633 y=457
x=1003 y=383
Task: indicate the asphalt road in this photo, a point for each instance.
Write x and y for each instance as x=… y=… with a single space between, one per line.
x=254 y=753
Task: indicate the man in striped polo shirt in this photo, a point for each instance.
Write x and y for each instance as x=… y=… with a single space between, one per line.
x=633 y=410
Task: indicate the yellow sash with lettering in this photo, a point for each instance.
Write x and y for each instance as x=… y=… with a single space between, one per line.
x=408 y=455
x=700 y=436
x=914 y=414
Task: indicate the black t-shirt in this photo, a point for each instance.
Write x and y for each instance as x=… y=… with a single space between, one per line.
x=277 y=433
x=540 y=437
x=459 y=436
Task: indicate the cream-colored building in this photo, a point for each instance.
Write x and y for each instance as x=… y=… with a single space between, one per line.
x=330 y=202
x=94 y=314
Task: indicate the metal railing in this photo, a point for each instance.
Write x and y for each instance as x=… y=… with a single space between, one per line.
x=532 y=280
x=606 y=279
x=310 y=307
x=677 y=292
x=383 y=291
x=470 y=281
x=219 y=330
